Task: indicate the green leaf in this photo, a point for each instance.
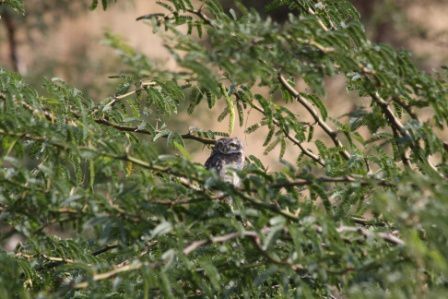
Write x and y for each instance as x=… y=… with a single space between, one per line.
x=230 y=109
x=182 y=150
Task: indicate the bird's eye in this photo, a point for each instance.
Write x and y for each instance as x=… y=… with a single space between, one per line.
x=233 y=145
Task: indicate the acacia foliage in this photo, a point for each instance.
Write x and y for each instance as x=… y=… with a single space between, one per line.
x=363 y=216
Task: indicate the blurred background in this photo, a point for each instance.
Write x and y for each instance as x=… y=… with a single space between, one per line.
x=62 y=38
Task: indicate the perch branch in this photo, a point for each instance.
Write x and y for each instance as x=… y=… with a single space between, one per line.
x=50 y=117
x=188 y=135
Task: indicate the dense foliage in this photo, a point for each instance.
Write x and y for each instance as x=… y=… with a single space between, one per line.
x=359 y=213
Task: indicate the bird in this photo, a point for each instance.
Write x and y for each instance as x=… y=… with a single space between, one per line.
x=226 y=157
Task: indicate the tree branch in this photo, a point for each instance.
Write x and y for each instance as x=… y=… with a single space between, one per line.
x=117 y=98
x=193 y=246
x=329 y=131
x=50 y=117
x=57 y=261
x=307 y=152
x=398 y=127
x=406 y=107
x=34 y=138
x=387 y=236
x=11 y=28
x=252 y=235
x=201 y=15
x=164 y=17
x=347 y=179
x=112 y=273
x=188 y=135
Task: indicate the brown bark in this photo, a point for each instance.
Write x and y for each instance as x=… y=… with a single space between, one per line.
x=11 y=29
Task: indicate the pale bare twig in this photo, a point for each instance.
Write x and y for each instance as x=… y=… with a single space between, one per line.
x=117 y=98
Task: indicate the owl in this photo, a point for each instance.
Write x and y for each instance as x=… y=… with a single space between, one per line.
x=226 y=157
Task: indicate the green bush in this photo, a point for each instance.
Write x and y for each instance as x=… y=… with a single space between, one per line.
x=363 y=216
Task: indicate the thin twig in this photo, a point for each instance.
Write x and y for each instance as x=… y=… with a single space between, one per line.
x=395 y=122
x=275 y=260
x=25 y=187
x=406 y=107
x=106 y=275
x=347 y=179
x=104 y=249
x=306 y=152
x=188 y=135
x=27 y=136
x=201 y=15
x=48 y=115
x=166 y=18
x=322 y=25
x=58 y=261
x=172 y=203
x=327 y=129
x=398 y=127
x=387 y=236
x=367 y=222
x=117 y=98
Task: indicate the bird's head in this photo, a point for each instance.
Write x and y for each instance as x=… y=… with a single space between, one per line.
x=228 y=146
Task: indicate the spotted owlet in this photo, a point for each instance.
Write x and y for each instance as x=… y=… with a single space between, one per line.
x=227 y=155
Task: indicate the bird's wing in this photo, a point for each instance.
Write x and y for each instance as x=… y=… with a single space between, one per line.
x=213 y=162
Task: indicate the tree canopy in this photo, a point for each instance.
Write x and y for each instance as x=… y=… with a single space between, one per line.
x=360 y=212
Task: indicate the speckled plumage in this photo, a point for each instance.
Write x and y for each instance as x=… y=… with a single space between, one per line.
x=227 y=155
